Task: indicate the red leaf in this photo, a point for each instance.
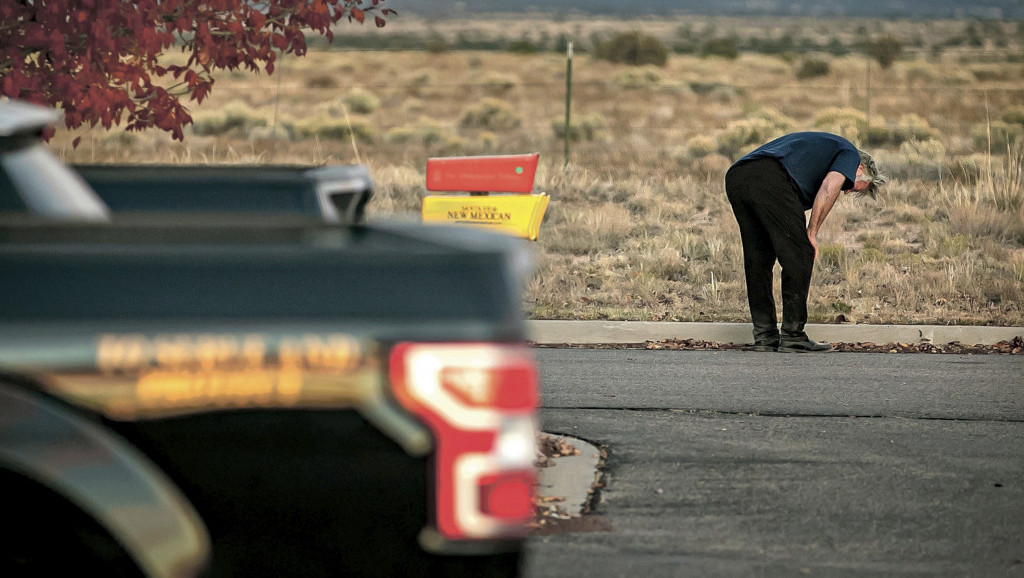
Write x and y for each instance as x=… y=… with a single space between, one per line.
x=200 y=92
x=114 y=71
x=257 y=20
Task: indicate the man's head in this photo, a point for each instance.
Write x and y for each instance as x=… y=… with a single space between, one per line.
x=868 y=173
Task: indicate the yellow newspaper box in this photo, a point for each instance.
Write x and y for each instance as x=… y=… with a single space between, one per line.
x=499 y=193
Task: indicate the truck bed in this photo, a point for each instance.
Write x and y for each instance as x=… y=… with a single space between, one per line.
x=327 y=482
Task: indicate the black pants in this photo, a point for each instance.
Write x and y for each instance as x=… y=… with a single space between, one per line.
x=772 y=227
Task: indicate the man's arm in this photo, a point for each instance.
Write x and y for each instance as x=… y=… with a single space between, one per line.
x=829 y=191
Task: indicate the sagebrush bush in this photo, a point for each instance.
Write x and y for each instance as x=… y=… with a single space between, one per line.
x=324 y=126
x=235 y=115
x=1014 y=115
x=911 y=127
x=846 y=122
x=644 y=77
x=701 y=146
x=968 y=169
x=996 y=136
x=745 y=134
x=401 y=135
x=426 y=132
x=588 y=127
x=633 y=47
x=322 y=81
x=776 y=119
x=721 y=47
x=491 y=114
x=885 y=50
x=919 y=73
x=813 y=68
x=988 y=73
x=498 y=83
x=924 y=160
x=361 y=101
x=831 y=255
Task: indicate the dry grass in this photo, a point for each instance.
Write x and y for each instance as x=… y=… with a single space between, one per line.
x=639 y=227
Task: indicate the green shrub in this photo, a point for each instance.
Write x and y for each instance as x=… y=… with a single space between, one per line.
x=635 y=48
x=701 y=146
x=842 y=307
x=872 y=255
x=419 y=82
x=491 y=114
x=846 y=122
x=523 y=46
x=919 y=159
x=911 y=127
x=878 y=134
x=498 y=83
x=813 y=68
x=885 y=50
x=775 y=118
x=235 y=115
x=1002 y=135
x=327 y=127
x=322 y=81
x=987 y=73
x=427 y=132
x=832 y=255
x=919 y=73
x=968 y=169
x=361 y=101
x=716 y=91
x=436 y=43
x=723 y=47
x=401 y=135
x=1014 y=115
x=744 y=134
x=645 y=77
x=588 y=127
x=871 y=240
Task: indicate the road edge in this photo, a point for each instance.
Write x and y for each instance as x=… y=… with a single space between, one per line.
x=554 y=332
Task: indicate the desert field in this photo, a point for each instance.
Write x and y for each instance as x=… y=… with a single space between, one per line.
x=639 y=227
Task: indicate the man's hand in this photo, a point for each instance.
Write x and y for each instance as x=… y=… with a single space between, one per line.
x=826 y=197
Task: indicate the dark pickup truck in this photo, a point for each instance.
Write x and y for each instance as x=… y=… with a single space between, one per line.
x=224 y=397
x=335 y=194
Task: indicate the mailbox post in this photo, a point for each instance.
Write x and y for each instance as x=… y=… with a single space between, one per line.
x=495 y=192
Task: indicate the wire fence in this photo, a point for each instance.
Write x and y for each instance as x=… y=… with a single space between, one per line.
x=880 y=100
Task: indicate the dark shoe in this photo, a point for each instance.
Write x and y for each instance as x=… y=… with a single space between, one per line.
x=766 y=345
x=803 y=345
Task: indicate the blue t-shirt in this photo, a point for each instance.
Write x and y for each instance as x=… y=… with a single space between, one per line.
x=808 y=157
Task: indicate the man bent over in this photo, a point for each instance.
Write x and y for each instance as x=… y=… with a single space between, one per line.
x=769 y=190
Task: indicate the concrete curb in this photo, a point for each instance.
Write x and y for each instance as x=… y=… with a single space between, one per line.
x=545 y=332
x=570 y=477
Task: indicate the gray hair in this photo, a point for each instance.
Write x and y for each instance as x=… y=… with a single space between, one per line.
x=874 y=177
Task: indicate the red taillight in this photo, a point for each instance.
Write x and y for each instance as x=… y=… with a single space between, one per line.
x=508 y=496
x=512 y=388
x=480 y=402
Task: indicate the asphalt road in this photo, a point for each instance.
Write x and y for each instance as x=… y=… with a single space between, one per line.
x=736 y=463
